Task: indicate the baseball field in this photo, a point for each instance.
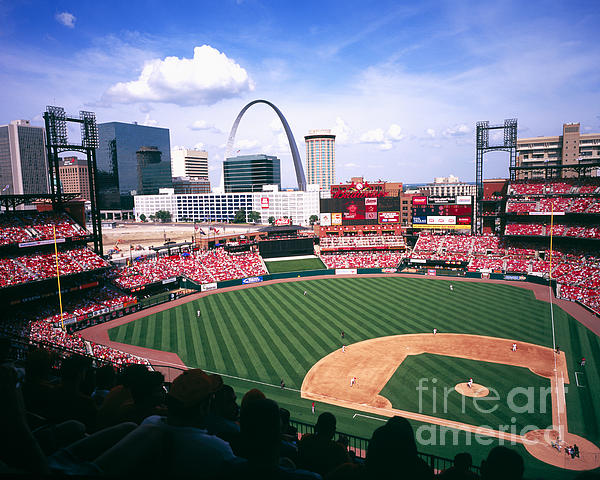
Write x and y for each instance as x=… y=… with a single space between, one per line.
x=258 y=336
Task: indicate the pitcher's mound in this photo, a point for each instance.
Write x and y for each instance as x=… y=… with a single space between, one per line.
x=476 y=390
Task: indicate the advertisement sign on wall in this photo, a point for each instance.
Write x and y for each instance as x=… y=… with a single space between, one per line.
x=264 y=202
x=336 y=218
x=463 y=199
x=441 y=220
x=248 y=280
x=345 y=271
x=206 y=287
x=419 y=201
x=389 y=217
x=325 y=219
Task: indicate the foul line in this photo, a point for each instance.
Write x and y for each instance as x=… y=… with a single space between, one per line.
x=367 y=416
x=167 y=364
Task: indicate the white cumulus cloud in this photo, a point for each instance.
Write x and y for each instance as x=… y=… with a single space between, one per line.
x=342 y=131
x=457 y=131
x=430 y=132
x=395 y=132
x=205 y=79
x=65 y=18
x=246 y=144
x=351 y=165
x=373 y=136
x=204 y=125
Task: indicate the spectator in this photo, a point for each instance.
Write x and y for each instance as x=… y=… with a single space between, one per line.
x=105 y=380
x=70 y=400
x=224 y=415
x=175 y=445
x=317 y=451
x=260 y=435
x=461 y=470
x=37 y=388
x=392 y=452
x=502 y=464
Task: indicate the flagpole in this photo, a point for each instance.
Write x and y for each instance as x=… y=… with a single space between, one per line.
x=62 y=324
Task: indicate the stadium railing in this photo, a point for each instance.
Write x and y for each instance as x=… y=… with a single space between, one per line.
x=359 y=446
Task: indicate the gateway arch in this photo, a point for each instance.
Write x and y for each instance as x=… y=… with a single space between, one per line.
x=290 y=136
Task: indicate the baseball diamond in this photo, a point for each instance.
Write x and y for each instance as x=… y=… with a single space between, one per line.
x=261 y=333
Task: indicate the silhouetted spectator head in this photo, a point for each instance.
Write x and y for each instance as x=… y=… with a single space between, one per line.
x=148 y=389
x=224 y=404
x=463 y=461
x=325 y=426
x=38 y=364
x=4 y=348
x=392 y=448
x=259 y=426
x=74 y=369
x=105 y=377
x=190 y=396
x=502 y=464
x=131 y=373
x=251 y=395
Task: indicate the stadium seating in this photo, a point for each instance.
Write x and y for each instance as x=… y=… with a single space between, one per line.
x=362 y=242
x=28 y=268
x=30 y=226
x=387 y=259
x=203 y=267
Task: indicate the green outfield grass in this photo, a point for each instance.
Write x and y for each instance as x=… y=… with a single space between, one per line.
x=267 y=333
x=281 y=266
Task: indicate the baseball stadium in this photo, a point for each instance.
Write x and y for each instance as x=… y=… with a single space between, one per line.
x=478 y=322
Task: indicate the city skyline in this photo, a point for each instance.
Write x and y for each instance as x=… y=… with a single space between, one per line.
x=401 y=86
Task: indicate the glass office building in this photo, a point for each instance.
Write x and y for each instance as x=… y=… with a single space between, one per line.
x=132 y=159
x=248 y=173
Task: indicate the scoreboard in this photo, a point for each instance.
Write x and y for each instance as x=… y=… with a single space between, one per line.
x=451 y=213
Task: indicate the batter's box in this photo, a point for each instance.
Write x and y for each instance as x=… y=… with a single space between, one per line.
x=579 y=378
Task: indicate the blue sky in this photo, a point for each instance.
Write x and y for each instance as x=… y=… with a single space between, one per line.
x=400 y=83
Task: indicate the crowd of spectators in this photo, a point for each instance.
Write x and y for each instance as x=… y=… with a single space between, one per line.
x=577 y=272
x=555 y=187
x=31 y=226
x=215 y=265
x=554 y=204
x=387 y=259
x=336 y=242
x=39 y=266
x=78 y=420
x=557 y=229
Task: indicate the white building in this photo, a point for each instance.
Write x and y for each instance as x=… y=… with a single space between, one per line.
x=221 y=207
x=189 y=163
x=449 y=186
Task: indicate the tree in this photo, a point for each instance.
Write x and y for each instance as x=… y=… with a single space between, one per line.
x=143 y=218
x=253 y=216
x=271 y=220
x=163 y=215
x=240 y=216
x=312 y=219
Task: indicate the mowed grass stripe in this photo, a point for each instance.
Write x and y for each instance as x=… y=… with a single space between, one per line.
x=281 y=357
x=293 y=332
x=197 y=359
x=306 y=319
x=240 y=341
x=256 y=345
x=212 y=336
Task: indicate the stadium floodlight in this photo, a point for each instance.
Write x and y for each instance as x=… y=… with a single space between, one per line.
x=89 y=129
x=57 y=122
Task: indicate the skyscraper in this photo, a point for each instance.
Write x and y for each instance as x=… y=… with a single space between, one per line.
x=131 y=159
x=248 y=173
x=320 y=158
x=23 y=160
x=189 y=163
